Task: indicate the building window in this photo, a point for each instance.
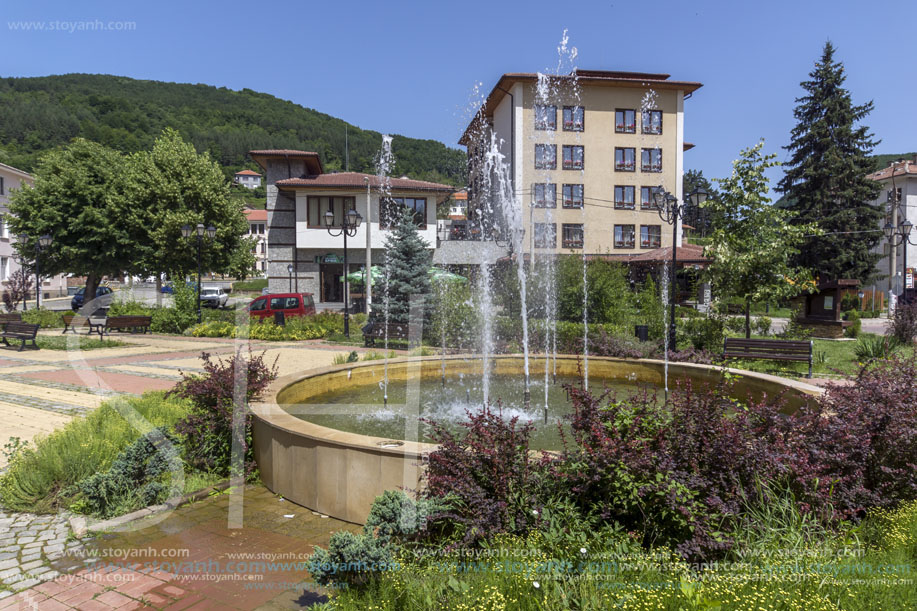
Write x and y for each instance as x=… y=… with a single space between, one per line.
x=544 y=195
x=545 y=235
x=2 y=186
x=262 y=247
x=624 y=197
x=545 y=117
x=651 y=160
x=573 y=235
x=261 y=228
x=652 y=121
x=647 y=201
x=626 y=121
x=545 y=156
x=316 y=207
x=4 y=269
x=573 y=196
x=625 y=159
x=573 y=157
x=650 y=236
x=4 y=232
x=624 y=236
x=574 y=118
x=391 y=209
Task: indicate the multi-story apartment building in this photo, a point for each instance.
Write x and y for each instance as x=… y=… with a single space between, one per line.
x=583 y=162
x=899 y=199
x=302 y=255
x=10 y=180
x=257 y=228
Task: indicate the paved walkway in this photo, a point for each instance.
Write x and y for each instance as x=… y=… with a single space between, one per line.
x=43 y=565
x=41 y=390
x=192 y=559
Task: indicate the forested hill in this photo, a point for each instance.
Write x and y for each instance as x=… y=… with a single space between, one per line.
x=127 y=114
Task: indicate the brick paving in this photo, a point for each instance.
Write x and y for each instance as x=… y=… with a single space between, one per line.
x=193 y=560
x=44 y=566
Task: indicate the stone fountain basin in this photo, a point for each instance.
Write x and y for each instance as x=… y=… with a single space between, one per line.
x=339 y=474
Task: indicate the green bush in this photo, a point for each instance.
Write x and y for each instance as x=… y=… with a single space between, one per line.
x=36 y=477
x=705 y=332
x=44 y=318
x=214 y=329
x=181 y=316
x=350 y=560
x=875 y=347
x=138 y=477
x=255 y=284
x=854 y=329
x=454 y=318
x=130 y=308
x=761 y=325
x=736 y=325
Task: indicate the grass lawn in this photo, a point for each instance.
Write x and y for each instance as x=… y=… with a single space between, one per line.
x=63 y=342
x=830 y=358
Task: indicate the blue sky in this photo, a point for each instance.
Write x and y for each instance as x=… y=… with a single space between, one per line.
x=411 y=67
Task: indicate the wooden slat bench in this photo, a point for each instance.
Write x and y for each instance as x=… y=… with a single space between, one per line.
x=396 y=331
x=134 y=324
x=11 y=317
x=21 y=331
x=772 y=349
x=74 y=321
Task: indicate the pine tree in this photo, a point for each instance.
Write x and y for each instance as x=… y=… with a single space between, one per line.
x=407 y=272
x=825 y=181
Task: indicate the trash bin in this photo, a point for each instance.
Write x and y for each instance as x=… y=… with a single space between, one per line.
x=642 y=332
x=279 y=318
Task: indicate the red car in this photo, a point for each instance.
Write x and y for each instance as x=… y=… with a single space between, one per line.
x=291 y=304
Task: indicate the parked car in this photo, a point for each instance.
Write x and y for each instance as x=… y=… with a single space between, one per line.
x=167 y=288
x=213 y=297
x=104 y=296
x=291 y=304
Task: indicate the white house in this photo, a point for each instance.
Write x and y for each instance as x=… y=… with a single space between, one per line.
x=247 y=178
x=302 y=255
x=899 y=186
x=10 y=180
x=257 y=227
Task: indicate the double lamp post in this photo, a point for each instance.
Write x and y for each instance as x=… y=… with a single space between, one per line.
x=900 y=236
x=670 y=210
x=348 y=228
x=186 y=232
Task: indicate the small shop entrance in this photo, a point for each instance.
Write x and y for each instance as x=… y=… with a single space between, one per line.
x=332 y=285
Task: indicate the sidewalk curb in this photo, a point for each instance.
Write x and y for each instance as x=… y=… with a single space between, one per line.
x=81 y=526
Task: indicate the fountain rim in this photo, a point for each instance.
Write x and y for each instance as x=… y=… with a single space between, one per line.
x=269 y=410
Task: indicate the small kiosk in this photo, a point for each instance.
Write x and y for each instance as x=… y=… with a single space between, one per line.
x=822 y=311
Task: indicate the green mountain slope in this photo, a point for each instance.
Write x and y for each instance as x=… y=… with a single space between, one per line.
x=127 y=114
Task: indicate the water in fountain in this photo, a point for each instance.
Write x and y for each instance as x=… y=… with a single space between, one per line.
x=385 y=162
x=665 y=307
x=487 y=341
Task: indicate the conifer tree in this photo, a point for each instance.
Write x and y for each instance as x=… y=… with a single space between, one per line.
x=825 y=180
x=407 y=272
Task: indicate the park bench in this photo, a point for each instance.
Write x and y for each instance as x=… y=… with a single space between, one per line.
x=74 y=321
x=11 y=317
x=772 y=349
x=377 y=331
x=134 y=324
x=21 y=331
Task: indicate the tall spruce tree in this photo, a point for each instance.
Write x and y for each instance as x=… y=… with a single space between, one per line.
x=407 y=272
x=825 y=181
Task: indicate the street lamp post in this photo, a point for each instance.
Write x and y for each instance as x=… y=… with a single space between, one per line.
x=42 y=243
x=900 y=235
x=351 y=222
x=290 y=272
x=211 y=231
x=670 y=210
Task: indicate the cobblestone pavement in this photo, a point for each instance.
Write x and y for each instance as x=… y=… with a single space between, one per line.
x=29 y=545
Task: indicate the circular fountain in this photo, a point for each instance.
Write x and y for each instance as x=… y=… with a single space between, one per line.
x=339 y=472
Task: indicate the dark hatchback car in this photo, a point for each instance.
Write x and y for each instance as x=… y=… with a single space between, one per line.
x=103 y=294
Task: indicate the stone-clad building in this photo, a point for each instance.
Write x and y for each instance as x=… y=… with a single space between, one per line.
x=299 y=193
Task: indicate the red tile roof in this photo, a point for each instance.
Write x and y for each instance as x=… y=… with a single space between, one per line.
x=898 y=169
x=255 y=215
x=247 y=173
x=355 y=180
x=686 y=253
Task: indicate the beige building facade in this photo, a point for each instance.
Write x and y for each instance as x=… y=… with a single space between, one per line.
x=584 y=159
